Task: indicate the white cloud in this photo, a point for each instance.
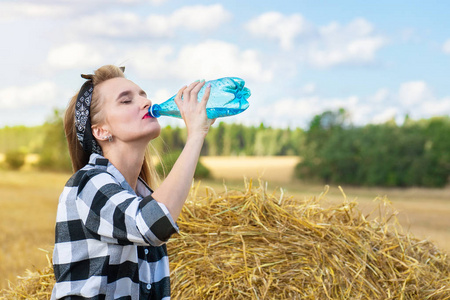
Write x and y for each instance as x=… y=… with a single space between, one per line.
x=123 y=24
x=308 y=88
x=152 y=63
x=199 y=18
x=414 y=93
x=42 y=93
x=13 y=10
x=435 y=107
x=418 y=100
x=210 y=59
x=74 y=55
x=156 y=2
x=274 y=25
x=292 y=111
x=414 y=98
x=161 y=95
x=380 y=96
x=388 y=113
x=159 y=26
x=320 y=46
x=446 y=47
x=354 y=43
x=290 y=107
x=216 y=58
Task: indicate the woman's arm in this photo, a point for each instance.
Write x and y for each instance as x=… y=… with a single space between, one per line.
x=110 y=213
x=174 y=190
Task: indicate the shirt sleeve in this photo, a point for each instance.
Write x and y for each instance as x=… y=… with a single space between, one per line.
x=121 y=217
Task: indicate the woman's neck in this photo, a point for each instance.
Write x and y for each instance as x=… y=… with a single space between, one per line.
x=128 y=160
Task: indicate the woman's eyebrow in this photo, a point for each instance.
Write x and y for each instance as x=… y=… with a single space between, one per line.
x=129 y=92
x=123 y=94
x=142 y=93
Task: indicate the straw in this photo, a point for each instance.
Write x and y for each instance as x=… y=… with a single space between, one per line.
x=260 y=245
x=254 y=244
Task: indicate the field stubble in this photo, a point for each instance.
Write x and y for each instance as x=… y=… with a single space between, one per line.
x=28 y=202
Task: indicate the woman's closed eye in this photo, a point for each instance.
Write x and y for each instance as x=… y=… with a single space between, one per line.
x=125 y=97
x=126 y=101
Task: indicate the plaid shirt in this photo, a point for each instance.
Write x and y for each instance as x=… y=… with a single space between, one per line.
x=110 y=240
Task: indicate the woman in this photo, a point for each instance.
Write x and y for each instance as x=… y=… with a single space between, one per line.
x=111 y=227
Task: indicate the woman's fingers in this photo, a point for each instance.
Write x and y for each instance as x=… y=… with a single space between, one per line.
x=191 y=90
x=206 y=95
x=197 y=87
x=184 y=93
x=187 y=97
x=180 y=95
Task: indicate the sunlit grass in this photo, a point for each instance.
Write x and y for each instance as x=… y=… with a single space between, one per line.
x=27 y=219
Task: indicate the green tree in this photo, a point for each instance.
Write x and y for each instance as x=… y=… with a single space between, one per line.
x=15 y=159
x=234 y=142
x=55 y=154
x=171 y=139
x=437 y=151
x=168 y=161
x=249 y=136
x=315 y=163
x=414 y=154
x=29 y=139
x=215 y=139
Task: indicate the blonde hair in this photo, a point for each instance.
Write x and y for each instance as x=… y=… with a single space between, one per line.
x=78 y=156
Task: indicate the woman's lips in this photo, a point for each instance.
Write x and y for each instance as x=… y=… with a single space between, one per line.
x=146 y=116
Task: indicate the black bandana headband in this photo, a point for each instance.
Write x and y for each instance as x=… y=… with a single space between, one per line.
x=83 y=117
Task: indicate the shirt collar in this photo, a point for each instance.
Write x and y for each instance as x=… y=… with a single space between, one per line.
x=98 y=161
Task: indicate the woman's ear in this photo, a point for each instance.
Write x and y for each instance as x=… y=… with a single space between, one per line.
x=100 y=133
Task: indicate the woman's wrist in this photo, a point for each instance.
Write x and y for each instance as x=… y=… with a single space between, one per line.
x=196 y=136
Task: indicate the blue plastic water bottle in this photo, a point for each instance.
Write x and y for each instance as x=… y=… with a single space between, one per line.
x=228 y=97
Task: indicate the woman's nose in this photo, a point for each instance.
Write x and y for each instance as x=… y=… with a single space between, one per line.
x=146 y=103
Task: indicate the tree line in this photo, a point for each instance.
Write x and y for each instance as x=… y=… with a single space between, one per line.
x=332 y=150
x=416 y=153
x=236 y=140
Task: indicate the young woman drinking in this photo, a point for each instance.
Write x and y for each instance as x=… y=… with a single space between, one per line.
x=111 y=227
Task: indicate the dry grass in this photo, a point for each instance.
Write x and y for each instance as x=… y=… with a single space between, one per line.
x=28 y=203
x=256 y=245
x=34 y=285
x=422 y=211
x=260 y=245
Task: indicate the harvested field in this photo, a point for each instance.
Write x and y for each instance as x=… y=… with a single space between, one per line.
x=269 y=168
x=256 y=244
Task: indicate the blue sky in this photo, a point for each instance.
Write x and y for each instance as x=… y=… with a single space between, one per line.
x=378 y=60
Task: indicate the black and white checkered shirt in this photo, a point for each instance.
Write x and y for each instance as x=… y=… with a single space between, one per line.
x=110 y=240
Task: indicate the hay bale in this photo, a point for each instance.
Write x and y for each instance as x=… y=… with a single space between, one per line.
x=34 y=285
x=256 y=245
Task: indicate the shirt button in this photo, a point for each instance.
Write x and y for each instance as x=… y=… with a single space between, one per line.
x=149 y=286
x=146 y=251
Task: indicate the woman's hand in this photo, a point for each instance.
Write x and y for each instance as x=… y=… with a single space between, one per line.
x=193 y=111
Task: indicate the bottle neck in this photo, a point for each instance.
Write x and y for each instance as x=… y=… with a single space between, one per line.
x=154 y=111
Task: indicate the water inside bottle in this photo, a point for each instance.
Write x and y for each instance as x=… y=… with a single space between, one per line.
x=217 y=112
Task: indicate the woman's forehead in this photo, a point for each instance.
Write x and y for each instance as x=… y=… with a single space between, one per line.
x=114 y=86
